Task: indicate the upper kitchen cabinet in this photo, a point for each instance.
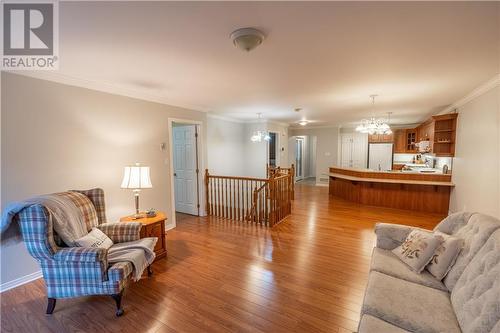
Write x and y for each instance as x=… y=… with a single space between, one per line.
x=439 y=131
x=380 y=138
x=445 y=127
x=425 y=131
x=399 y=141
x=411 y=140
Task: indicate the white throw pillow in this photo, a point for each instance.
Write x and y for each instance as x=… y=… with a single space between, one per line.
x=445 y=255
x=95 y=238
x=417 y=249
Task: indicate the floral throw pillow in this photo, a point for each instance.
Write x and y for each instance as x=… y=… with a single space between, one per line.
x=417 y=249
x=445 y=255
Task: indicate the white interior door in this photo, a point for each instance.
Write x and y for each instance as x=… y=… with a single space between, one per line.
x=184 y=145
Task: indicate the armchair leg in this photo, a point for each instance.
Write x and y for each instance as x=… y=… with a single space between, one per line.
x=51 y=304
x=150 y=270
x=118 y=301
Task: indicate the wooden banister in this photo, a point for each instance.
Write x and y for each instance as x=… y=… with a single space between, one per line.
x=265 y=201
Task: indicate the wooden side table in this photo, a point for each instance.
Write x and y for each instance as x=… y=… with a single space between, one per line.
x=153 y=227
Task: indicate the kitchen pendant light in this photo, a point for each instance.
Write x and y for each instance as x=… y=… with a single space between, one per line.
x=373 y=125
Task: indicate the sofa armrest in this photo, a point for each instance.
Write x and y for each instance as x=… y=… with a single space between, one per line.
x=81 y=254
x=120 y=232
x=390 y=236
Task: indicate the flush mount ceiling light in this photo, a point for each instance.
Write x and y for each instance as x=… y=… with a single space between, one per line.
x=374 y=126
x=247 y=39
x=297 y=109
x=303 y=122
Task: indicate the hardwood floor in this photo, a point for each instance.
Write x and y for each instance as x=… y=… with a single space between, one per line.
x=307 y=274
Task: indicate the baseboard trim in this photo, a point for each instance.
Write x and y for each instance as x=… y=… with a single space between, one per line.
x=322 y=184
x=20 y=281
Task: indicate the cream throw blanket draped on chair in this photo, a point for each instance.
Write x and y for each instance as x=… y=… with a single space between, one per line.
x=139 y=253
x=67 y=219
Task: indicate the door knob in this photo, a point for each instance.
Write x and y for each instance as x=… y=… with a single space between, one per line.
x=175 y=174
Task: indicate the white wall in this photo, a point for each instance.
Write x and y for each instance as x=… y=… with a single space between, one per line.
x=326 y=148
x=56 y=137
x=309 y=158
x=255 y=158
x=225 y=142
x=476 y=165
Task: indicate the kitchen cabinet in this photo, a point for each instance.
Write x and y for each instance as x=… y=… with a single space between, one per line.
x=380 y=138
x=411 y=139
x=354 y=150
x=399 y=141
x=439 y=130
x=444 y=134
x=426 y=131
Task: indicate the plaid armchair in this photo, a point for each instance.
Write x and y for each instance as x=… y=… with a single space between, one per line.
x=78 y=271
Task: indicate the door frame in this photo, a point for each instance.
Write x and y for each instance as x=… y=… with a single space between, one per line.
x=302 y=162
x=278 y=149
x=201 y=166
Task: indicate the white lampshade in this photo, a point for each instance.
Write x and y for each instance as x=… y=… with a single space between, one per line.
x=136 y=177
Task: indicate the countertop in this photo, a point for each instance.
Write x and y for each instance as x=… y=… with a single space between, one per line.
x=397 y=177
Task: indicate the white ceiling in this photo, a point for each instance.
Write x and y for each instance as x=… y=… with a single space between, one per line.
x=325 y=57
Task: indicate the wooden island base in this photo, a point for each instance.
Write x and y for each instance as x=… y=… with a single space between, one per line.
x=424 y=195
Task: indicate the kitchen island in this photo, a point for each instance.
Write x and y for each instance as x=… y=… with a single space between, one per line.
x=425 y=192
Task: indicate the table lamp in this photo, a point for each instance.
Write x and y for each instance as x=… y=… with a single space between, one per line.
x=136 y=178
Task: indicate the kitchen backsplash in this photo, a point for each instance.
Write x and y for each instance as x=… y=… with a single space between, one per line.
x=440 y=161
x=401 y=158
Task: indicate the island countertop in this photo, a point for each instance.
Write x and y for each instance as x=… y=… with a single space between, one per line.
x=394 y=177
x=413 y=191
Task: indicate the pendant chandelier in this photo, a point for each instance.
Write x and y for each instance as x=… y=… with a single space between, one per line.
x=260 y=134
x=373 y=125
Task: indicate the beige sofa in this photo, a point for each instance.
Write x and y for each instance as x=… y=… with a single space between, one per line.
x=398 y=300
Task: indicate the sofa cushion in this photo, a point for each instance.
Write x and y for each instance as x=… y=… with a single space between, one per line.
x=409 y=305
x=474 y=233
x=476 y=296
x=417 y=249
x=384 y=261
x=370 y=324
x=445 y=255
x=453 y=222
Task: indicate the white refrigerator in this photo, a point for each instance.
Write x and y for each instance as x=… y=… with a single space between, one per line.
x=380 y=156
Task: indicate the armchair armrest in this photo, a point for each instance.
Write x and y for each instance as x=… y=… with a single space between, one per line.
x=120 y=232
x=390 y=236
x=81 y=254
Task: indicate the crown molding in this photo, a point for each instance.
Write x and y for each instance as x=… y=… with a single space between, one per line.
x=314 y=127
x=482 y=89
x=105 y=87
x=241 y=121
x=278 y=123
x=265 y=121
x=225 y=118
